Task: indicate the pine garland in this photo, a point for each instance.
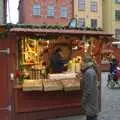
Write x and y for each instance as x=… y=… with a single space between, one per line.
x=8 y=26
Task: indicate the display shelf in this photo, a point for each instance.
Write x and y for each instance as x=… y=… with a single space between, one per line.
x=18 y=86
x=27 y=64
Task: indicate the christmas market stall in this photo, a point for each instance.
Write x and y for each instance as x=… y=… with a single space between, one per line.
x=39 y=92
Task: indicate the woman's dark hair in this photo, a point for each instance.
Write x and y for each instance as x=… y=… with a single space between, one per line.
x=58 y=50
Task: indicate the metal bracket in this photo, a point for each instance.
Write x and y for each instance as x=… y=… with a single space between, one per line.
x=12 y=76
x=7 y=51
x=8 y=108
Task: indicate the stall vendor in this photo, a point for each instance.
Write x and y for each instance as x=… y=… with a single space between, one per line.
x=57 y=63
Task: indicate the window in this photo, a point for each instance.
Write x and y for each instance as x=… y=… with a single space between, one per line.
x=117 y=15
x=117 y=35
x=73 y=23
x=64 y=12
x=93 y=23
x=117 y=1
x=81 y=22
x=36 y=9
x=50 y=11
x=93 y=6
x=81 y=4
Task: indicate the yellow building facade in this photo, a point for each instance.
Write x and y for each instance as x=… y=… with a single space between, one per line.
x=111 y=17
x=88 y=13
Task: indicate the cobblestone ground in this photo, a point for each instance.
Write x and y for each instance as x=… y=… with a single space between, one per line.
x=110 y=103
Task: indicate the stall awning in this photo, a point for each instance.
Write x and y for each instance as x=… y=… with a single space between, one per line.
x=59 y=31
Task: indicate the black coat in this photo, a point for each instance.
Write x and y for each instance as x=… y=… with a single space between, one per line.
x=57 y=63
x=113 y=65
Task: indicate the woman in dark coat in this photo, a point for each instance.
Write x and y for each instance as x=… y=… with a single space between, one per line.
x=90 y=88
x=56 y=62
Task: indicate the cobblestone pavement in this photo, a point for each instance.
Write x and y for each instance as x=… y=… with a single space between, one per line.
x=110 y=103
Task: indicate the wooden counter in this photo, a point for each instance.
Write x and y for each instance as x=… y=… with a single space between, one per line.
x=39 y=105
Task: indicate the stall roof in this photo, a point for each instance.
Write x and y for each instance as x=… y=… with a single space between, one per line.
x=58 y=31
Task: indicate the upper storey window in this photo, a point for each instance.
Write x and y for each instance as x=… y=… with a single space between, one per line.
x=117 y=1
x=50 y=11
x=94 y=6
x=64 y=12
x=81 y=5
x=117 y=15
x=36 y=9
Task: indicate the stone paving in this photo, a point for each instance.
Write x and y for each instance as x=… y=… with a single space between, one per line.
x=110 y=103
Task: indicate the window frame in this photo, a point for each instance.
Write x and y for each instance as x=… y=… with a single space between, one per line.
x=50 y=11
x=80 y=22
x=36 y=9
x=117 y=35
x=117 y=1
x=81 y=5
x=117 y=16
x=63 y=12
x=92 y=23
x=94 y=6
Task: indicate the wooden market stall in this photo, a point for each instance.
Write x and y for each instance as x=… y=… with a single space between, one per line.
x=38 y=93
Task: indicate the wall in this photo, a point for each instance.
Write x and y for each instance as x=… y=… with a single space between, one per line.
x=87 y=14
x=110 y=24
x=28 y=18
x=8 y=66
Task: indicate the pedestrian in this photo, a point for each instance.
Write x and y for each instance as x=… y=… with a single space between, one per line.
x=113 y=64
x=113 y=68
x=90 y=88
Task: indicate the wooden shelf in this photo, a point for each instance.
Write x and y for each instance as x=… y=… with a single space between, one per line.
x=30 y=64
x=18 y=86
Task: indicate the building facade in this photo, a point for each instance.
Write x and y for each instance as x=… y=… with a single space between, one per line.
x=111 y=17
x=88 y=13
x=45 y=11
x=3 y=10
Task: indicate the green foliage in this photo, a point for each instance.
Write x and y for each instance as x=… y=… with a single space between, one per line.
x=41 y=26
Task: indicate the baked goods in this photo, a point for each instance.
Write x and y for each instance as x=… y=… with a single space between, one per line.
x=70 y=85
x=60 y=76
x=32 y=85
x=52 y=85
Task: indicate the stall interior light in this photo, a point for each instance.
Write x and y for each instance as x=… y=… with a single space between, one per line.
x=116 y=42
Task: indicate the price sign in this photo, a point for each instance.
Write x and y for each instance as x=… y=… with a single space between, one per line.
x=2 y=29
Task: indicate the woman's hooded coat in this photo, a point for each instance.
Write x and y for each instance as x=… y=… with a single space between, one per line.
x=90 y=87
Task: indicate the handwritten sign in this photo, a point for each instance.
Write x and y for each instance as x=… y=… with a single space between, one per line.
x=2 y=29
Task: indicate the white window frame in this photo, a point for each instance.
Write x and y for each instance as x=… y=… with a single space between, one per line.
x=117 y=15
x=96 y=23
x=64 y=12
x=94 y=6
x=36 y=10
x=81 y=22
x=50 y=11
x=117 y=35
x=81 y=5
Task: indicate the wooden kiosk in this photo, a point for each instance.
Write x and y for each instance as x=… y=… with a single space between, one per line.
x=45 y=96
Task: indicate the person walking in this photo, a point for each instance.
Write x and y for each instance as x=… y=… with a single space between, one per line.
x=90 y=88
